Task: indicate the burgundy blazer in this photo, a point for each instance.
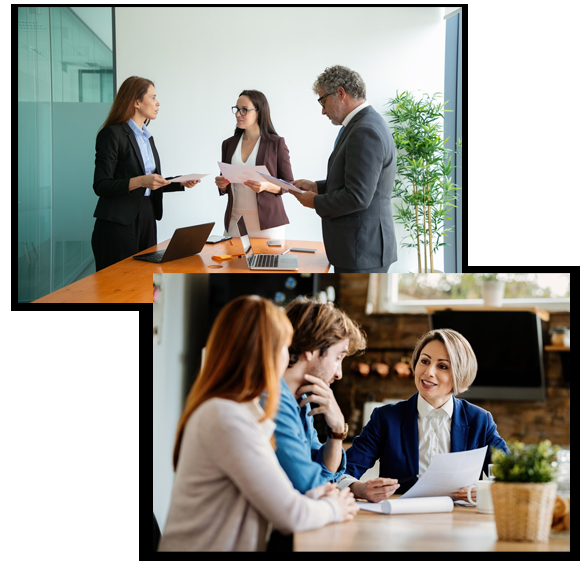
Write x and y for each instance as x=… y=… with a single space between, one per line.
x=273 y=153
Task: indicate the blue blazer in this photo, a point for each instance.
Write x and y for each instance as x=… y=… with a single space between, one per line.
x=392 y=436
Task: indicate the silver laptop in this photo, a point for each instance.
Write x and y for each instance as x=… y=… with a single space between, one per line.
x=264 y=261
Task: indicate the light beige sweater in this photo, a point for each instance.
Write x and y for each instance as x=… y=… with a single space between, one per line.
x=229 y=485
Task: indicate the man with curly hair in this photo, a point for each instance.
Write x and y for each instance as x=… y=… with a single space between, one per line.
x=354 y=201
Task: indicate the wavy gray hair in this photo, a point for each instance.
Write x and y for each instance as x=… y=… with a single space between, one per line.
x=341 y=76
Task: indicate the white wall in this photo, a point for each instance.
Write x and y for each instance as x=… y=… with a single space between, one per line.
x=168 y=379
x=202 y=58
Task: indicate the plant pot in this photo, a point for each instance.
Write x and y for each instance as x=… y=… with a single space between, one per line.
x=523 y=511
x=492 y=292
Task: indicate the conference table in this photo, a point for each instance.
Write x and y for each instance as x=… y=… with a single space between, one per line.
x=463 y=529
x=130 y=280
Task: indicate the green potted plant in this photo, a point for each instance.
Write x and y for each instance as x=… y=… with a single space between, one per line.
x=423 y=181
x=492 y=289
x=524 y=492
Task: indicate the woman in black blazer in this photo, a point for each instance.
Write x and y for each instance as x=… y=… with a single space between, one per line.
x=128 y=177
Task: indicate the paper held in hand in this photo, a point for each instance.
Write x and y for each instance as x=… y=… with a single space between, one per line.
x=280 y=183
x=241 y=173
x=447 y=473
x=188 y=177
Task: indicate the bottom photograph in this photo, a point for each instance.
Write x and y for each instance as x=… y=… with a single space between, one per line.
x=360 y=412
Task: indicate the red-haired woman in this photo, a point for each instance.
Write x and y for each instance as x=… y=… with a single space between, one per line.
x=128 y=176
x=228 y=483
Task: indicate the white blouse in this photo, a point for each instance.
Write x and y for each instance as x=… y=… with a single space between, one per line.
x=246 y=202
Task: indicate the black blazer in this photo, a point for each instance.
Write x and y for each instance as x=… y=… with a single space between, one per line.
x=118 y=159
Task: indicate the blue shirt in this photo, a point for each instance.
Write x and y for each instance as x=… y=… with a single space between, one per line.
x=142 y=136
x=298 y=448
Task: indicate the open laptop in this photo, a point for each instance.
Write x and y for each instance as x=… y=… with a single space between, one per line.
x=185 y=242
x=267 y=261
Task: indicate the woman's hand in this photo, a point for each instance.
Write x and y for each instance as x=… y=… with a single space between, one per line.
x=257 y=187
x=375 y=490
x=327 y=490
x=190 y=183
x=461 y=495
x=347 y=504
x=221 y=182
x=153 y=181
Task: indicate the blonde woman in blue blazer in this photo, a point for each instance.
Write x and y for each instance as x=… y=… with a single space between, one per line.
x=405 y=436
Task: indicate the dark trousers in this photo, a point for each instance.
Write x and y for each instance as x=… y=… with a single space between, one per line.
x=114 y=242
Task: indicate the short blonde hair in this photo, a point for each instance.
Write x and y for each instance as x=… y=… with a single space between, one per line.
x=461 y=356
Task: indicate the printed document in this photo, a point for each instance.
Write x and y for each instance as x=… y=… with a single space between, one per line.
x=241 y=173
x=188 y=177
x=447 y=473
x=281 y=183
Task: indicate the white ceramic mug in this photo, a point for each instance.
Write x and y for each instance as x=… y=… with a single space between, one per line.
x=484 y=499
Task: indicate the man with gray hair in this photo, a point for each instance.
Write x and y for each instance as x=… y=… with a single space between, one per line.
x=354 y=201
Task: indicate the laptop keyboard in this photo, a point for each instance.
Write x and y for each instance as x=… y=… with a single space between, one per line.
x=156 y=256
x=261 y=260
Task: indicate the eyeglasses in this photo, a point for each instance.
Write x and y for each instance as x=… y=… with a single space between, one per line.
x=321 y=98
x=243 y=111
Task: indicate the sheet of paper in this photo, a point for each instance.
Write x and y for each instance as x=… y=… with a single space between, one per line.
x=241 y=173
x=187 y=177
x=447 y=473
x=280 y=183
x=401 y=507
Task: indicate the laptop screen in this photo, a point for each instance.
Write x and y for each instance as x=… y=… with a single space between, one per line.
x=244 y=237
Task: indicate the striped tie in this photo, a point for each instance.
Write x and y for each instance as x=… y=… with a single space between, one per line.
x=338 y=137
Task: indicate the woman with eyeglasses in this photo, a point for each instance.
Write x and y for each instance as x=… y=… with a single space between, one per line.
x=255 y=142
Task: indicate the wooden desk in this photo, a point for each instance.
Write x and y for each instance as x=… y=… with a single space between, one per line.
x=130 y=281
x=462 y=529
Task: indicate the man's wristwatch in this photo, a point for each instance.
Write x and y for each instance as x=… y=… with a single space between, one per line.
x=334 y=435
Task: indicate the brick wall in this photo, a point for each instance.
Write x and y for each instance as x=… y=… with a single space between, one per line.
x=525 y=421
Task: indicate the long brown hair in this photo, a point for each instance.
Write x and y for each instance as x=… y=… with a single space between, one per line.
x=319 y=325
x=241 y=358
x=261 y=104
x=123 y=108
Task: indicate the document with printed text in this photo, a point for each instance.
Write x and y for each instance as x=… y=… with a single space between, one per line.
x=447 y=473
x=241 y=173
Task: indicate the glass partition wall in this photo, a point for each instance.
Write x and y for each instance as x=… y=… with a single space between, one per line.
x=65 y=90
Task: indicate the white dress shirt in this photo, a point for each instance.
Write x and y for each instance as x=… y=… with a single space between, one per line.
x=434 y=430
x=349 y=117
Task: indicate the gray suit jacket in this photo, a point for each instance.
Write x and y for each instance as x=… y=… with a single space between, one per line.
x=354 y=201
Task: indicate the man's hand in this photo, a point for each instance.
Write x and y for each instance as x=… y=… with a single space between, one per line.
x=306 y=199
x=321 y=394
x=375 y=490
x=307 y=185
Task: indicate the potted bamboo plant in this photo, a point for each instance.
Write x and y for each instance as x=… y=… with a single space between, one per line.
x=523 y=492
x=423 y=179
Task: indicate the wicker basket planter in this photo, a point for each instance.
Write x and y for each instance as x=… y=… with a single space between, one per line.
x=523 y=511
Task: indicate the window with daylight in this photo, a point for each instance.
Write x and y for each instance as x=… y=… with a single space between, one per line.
x=395 y=293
